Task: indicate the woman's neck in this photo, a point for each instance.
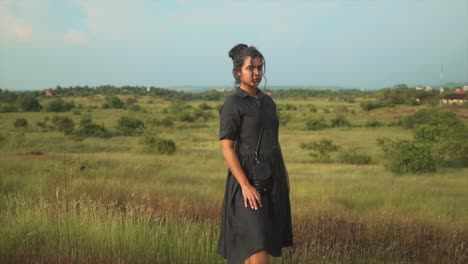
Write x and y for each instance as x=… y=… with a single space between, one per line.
x=252 y=90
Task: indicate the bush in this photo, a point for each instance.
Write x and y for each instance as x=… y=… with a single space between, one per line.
x=205 y=106
x=186 y=117
x=373 y=123
x=153 y=143
x=199 y=113
x=29 y=103
x=352 y=157
x=341 y=109
x=321 y=149
x=290 y=107
x=90 y=129
x=370 y=105
x=313 y=108
x=8 y=108
x=316 y=124
x=404 y=156
x=283 y=118
x=166 y=122
x=165 y=146
x=432 y=117
x=59 y=105
x=113 y=102
x=63 y=124
x=131 y=101
x=20 y=122
x=427 y=133
x=136 y=108
x=130 y=125
x=339 y=121
x=42 y=126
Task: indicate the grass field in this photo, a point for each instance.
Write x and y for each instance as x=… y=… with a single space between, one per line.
x=95 y=200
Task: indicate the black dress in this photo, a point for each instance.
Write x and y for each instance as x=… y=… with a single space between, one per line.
x=244 y=230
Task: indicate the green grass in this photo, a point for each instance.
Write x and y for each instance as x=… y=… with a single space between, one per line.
x=106 y=200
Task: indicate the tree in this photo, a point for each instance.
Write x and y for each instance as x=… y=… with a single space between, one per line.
x=29 y=103
x=63 y=124
x=130 y=125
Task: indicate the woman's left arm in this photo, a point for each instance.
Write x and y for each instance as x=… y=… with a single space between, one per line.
x=284 y=165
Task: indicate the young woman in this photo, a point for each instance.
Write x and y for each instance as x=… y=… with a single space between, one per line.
x=255 y=221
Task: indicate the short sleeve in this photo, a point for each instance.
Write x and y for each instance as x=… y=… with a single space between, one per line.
x=230 y=120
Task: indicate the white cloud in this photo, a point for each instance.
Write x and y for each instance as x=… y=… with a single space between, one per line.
x=13 y=28
x=115 y=19
x=75 y=37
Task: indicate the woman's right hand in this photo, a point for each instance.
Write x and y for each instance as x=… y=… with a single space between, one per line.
x=251 y=197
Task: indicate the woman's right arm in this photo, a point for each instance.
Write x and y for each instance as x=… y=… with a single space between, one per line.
x=251 y=195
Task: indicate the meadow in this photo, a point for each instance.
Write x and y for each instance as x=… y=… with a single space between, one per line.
x=66 y=199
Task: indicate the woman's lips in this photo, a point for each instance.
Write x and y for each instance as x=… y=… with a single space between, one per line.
x=257 y=80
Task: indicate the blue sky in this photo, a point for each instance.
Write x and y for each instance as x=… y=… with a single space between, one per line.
x=358 y=44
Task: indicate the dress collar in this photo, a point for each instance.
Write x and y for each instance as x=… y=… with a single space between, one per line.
x=245 y=94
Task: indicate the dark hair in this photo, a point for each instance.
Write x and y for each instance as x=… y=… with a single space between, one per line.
x=238 y=54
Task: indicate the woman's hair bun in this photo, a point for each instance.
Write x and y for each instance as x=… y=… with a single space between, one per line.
x=236 y=50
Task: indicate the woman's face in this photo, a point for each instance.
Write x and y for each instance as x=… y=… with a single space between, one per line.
x=251 y=72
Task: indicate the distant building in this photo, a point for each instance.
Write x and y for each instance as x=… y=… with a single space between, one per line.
x=465 y=88
x=419 y=88
x=459 y=91
x=221 y=90
x=48 y=92
x=148 y=89
x=454 y=99
x=428 y=88
x=441 y=90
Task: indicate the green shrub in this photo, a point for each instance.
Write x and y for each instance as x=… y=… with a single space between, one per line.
x=165 y=146
x=373 y=123
x=20 y=122
x=341 y=109
x=353 y=157
x=313 y=108
x=427 y=132
x=405 y=156
x=42 y=126
x=136 y=108
x=370 y=105
x=131 y=100
x=199 y=113
x=316 y=124
x=166 y=122
x=339 y=121
x=205 y=106
x=186 y=117
x=283 y=118
x=8 y=108
x=29 y=103
x=152 y=143
x=320 y=151
x=89 y=129
x=59 y=105
x=433 y=117
x=290 y=107
x=76 y=111
x=113 y=102
x=63 y=124
x=130 y=125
